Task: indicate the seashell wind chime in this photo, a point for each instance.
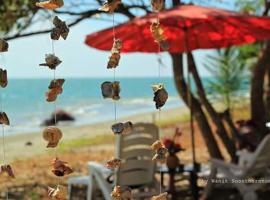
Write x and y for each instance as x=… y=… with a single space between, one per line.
x=112 y=90
x=53 y=134
x=160 y=93
x=4 y=120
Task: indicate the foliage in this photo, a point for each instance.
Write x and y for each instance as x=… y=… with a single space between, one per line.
x=228 y=70
x=15 y=14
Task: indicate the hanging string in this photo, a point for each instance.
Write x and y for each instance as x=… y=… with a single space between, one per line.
x=3 y=136
x=159 y=110
x=114 y=102
x=55 y=102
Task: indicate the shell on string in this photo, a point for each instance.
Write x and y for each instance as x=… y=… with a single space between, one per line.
x=52 y=135
x=51 y=61
x=122 y=128
x=59 y=193
x=115 y=54
x=157 y=5
x=3 y=78
x=60 y=168
x=7 y=169
x=55 y=88
x=110 y=6
x=50 y=4
x=160 y=152
x=121 y=193
x=161 y=155
x=4 y=118
x=160 y=95
x=111 y=90
x=3 y=46
x=113 y=163
x=158 y=34
x=60 y=29
x=162 y=196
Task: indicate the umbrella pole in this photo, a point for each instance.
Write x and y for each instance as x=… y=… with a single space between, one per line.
x=193 y=174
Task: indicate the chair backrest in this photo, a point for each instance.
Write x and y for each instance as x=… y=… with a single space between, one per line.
x=134 y=149
x=261 y=159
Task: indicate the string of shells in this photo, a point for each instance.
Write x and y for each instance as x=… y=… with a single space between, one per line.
x=5 y=169
x=52 y=134
x=112 y=90
x=160 y=94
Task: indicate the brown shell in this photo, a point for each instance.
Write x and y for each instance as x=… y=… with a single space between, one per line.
x=50 y=4
x=3 y=78
x=116 y=193
x=51 y=61
x=60 y=168
x=4 y=118
x=3 y=46
x=157 y=5
x=162 y=196
x=121 y=193
x=55 y=88
x=60 y=193
x=111 y=90
x=52 y=135
x=8 y=170
x=110 y=6
x=157 y=145
x=113 y=163
x=122 y=128
x=61 y=29
x=158 y=34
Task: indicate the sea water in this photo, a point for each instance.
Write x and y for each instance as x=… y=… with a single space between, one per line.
x=25 y=103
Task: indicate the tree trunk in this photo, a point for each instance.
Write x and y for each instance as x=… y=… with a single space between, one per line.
x=221 y=131
x=203 y=124
x=258 y=113
x=267 y=98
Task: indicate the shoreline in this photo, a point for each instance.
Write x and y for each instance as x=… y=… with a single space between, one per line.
x=15 y=144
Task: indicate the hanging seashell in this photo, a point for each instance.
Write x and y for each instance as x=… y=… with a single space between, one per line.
x=3 y=78
x=51 y=61
x=122 y=128
x=4 y=118
x=61 y=29
x=157 y=145
x=113 y=163
x=8 y=170
x=53 y=135
x=3 y=46
x=111 y=90
x=60 y=193
x=121 y=193
x=157 y=5
x=160 y=95
x=162 y=196
x=50 y=4
x=161 y=152
x=115 y=54
x=60 y=168
x=158 y=35
x=110 y=6
x=161 y=155
x=55 y=88
x=116 y=193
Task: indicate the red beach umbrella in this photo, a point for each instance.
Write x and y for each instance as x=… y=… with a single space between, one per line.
x=187 y=27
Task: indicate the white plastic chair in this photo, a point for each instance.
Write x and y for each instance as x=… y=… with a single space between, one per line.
x=137 y=170
x=252 y=165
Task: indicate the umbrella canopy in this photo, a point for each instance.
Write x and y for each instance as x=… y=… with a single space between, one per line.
x=187 y=27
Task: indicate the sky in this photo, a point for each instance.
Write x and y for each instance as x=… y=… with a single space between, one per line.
x=80 y=60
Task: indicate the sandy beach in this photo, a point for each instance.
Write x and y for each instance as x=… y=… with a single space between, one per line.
x=81 y=144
